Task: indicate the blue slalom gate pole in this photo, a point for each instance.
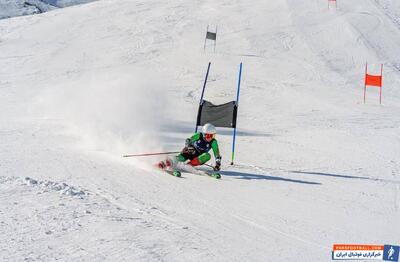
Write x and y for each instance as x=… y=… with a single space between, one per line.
x=202 y=93
x=237 y=105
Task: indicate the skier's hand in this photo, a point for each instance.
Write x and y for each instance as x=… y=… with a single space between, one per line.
x=217 y=164
x=188 y=142
x=189 y=150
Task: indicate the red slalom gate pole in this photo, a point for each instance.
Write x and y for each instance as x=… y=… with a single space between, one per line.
x=152 y=154
x=365 y=81
x=380 y=88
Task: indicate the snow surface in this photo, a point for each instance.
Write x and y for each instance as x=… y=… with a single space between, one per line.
x=81 y=86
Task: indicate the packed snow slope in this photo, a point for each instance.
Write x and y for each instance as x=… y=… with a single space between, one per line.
x=314 y=166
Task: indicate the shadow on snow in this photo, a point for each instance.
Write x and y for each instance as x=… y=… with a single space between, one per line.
x=328 y=174
x=343 y=176
x=248 y=176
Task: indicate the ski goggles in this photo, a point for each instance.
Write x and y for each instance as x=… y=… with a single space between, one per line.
x=209 y=136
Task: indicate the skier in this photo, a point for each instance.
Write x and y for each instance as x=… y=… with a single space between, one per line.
x=196 y=149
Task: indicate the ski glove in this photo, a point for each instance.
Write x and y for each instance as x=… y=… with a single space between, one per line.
x=217 y=164
x=189 y=150
x=188 y=142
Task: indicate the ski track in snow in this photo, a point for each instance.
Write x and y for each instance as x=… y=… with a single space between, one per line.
x=52 y=213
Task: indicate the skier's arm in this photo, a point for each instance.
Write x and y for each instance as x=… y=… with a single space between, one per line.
x=192 y=139
x=215 y=148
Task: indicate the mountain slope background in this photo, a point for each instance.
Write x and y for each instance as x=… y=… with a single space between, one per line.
x=12 y=8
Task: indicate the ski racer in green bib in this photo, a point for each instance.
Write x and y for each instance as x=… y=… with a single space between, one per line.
x=196 y=148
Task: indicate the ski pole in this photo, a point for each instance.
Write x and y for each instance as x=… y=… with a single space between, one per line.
x=152 y=154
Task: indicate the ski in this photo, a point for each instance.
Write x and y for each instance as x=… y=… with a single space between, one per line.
x=195 y=171
x=214 y=175
x=167 y=169
x=175 y=173
x=174 y=170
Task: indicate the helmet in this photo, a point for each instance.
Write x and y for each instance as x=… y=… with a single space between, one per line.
x=209 y=129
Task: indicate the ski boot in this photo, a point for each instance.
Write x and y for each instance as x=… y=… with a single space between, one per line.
x=166 y=164
x=162 y=165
